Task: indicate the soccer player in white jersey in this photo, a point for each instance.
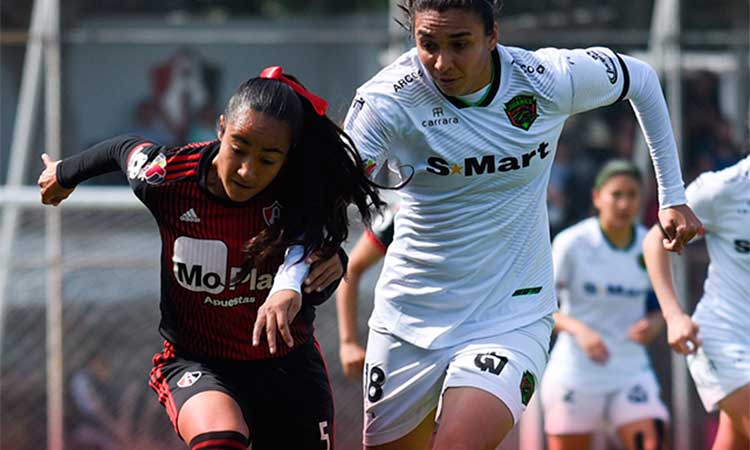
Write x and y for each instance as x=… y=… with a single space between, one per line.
x=463 y=308
x=718 y=357
x=599 y=371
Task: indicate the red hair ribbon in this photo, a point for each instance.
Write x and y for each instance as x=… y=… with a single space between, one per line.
x=277 y=73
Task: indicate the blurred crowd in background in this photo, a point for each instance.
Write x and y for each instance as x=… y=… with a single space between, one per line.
x=591 y=139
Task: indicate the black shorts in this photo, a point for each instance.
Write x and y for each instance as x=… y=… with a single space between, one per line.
x=287 y=401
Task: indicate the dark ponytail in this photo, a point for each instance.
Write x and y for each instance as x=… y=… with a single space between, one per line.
x=322 y=176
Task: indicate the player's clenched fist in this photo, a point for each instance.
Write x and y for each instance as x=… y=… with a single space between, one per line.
x=682 y=334
x=352 y=357
x=52 y=192
x=679 y=225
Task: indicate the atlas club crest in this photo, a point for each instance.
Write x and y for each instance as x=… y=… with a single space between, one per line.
x=188 y=379
x=272 y=213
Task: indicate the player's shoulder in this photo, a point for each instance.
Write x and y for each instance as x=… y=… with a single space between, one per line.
x=542 y=71
x=735 y=178
x=578 y=234
x=539 y=65
x=392 y=92
x=189 y=150
x=175 y=164
x=397 y=81
x=141 y=154
x=562 y=60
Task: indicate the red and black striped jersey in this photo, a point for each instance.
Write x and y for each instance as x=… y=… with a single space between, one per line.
x=203 y=311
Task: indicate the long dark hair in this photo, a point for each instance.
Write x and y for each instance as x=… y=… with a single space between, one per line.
x=487 y=10
x=322 y=176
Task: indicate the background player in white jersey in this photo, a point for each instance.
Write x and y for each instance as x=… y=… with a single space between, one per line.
x=719 y=359
x=463 y=307
x=599 y=371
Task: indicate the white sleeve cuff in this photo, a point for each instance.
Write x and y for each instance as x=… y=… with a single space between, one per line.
x=672 y=196
x=292 y=272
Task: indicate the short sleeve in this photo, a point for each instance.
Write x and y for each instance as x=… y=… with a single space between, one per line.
x=598 y=77
x=370 y=131
x=145 y=167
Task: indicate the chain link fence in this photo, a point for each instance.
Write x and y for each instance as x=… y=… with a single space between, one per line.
x=111 y=315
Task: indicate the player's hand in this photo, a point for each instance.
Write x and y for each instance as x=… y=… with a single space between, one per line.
x=352 y=360
x=322 y=273
x=593 y=344
x=52 y=192
x=682 y=334
x=278 y=311
x=645 y=330
x=679 y=225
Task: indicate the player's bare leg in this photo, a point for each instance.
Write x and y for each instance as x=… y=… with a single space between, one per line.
x=210 y=411
x=646 y=434
x=734 y=422
x=737 y=407
x=727 y=437
x=568 y=441
x=472 y=419
x=417 y=439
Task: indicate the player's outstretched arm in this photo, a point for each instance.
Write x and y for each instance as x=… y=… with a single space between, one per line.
x=351 y=352
x=647 y=98
x=52 y=192
x=625 y=77
x=126 y=153
x=682 y=332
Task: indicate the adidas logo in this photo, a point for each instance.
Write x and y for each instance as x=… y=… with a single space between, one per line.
x=190 y=216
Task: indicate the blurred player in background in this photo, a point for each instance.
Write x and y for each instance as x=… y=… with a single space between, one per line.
x=96 y=421
x=718 y=356
x=278 y=180
x=368 y=250
x=599 y=370
x=463 y=308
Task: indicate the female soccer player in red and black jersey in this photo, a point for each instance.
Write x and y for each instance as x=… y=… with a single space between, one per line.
x=227 y=211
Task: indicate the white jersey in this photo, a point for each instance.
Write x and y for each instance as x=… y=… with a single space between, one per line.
x=721 y=200
x=605 y=288
x=471 y=254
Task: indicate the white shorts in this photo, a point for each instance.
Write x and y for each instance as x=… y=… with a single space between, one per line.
x=722 y=364
x=571 y=409
x=403 y=383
